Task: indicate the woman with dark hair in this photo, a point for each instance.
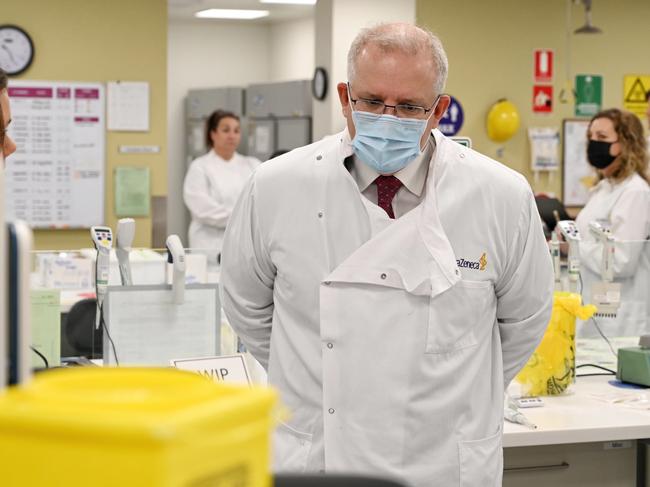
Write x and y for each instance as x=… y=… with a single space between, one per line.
x=620 y=202
x=214 y=181
x=7 y=145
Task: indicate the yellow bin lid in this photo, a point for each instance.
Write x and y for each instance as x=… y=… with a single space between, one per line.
x=130 y=403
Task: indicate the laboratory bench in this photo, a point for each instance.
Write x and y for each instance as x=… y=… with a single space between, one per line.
x=593 y=435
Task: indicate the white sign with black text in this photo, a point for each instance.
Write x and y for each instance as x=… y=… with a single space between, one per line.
x=230 y=369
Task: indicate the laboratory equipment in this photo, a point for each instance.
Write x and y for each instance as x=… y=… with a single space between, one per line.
x=606 y=295
x=634 y=363
x=570 y=232
x=550 y=210
x=554 y=247
x=102 y=238
x=511 y=413
x=176 y=257
x=125 y=234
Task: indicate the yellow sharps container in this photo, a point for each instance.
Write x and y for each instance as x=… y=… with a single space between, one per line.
x=141 y=427
x=551 y=369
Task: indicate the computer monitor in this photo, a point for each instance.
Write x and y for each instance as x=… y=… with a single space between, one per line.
x=19 y=239
x=547 y=207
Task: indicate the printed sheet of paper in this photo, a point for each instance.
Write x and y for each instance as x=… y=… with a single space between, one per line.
x=56 y=176
x=128 y=106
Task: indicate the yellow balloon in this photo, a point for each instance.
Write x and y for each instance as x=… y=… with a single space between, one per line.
x=502 y=121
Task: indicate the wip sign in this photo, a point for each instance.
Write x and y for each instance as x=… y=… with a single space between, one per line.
x=635 y=90
x=228 y=368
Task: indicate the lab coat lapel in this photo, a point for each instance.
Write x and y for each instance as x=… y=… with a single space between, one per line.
x=410 y=253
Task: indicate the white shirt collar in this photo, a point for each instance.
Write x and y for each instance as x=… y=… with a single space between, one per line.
x=413 y=176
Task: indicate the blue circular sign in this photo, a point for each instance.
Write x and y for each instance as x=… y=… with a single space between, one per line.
x=452 y=120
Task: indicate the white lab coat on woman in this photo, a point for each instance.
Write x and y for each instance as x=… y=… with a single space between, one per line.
x=390 y=341
x=212 y=186
x=624 y=207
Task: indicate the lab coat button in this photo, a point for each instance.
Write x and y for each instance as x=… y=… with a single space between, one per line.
x=462 y=155
x=331 y=411
x=327 y=283
x=320 y=214
x=319 y=157
x=383 y=276
x=330 y=345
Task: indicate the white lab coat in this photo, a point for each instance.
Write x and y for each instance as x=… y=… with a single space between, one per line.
x=625 y=208
x=212 y=186
x=391 y=358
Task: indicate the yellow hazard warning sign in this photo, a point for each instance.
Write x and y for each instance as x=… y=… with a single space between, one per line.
x=636 y=88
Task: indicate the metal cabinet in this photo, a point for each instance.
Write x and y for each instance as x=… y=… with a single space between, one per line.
x=279 y=117
x=199 y=104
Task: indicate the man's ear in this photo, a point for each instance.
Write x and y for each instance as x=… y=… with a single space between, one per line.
x=441 y=107
x=342 y=89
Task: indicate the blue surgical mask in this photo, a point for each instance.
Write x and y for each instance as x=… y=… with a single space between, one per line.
x=385 y=142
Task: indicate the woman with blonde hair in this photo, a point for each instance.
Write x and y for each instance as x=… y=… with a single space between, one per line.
x=620 y=202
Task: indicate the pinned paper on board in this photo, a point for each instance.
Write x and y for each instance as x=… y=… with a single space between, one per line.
x=132 y=191
x=46 y=327
x=128 y=106
x=262 y=138
x=544 y=148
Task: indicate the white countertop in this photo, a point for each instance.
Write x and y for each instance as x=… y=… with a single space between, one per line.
x=580 y=416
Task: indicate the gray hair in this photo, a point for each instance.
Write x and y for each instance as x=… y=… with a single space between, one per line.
x=402 y=37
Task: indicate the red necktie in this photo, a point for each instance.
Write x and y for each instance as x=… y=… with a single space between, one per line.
x=387 y=187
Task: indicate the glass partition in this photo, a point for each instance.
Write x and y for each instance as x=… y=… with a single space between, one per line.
x=67 y=278
x=617 y=281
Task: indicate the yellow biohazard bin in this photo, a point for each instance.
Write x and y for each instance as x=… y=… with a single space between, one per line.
x=551 y=368
x=123 y=427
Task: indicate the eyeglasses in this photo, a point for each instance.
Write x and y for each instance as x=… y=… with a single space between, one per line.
x=376 y=107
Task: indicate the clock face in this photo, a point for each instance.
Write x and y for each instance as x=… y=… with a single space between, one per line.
x=319 y=84
x=16 y=49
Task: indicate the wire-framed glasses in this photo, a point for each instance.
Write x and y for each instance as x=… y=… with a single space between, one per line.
x=377 y=107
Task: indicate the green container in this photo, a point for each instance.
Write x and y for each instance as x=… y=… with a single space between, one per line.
x=634 y=365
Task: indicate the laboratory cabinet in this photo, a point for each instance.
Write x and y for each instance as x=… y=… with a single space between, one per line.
x=601 y=464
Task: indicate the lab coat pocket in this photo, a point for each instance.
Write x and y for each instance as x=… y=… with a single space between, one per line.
x=481 y=462
x=455 y=316
x=291 y=449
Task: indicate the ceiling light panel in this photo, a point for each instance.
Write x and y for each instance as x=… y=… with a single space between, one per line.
x=291 y=2
x=221 y=13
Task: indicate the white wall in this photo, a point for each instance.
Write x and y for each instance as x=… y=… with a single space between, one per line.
x=205 y=55
x=337 y=23
x=292 y=50
x=212 y=54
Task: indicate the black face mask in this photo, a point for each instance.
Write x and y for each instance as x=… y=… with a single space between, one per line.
x=598 y=153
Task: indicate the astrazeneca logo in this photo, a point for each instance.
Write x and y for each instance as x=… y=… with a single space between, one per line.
x=478 y=265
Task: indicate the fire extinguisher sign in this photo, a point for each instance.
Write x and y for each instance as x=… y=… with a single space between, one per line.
x=543 y=72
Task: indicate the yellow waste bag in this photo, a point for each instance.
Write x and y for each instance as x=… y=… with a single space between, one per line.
x=551 y=369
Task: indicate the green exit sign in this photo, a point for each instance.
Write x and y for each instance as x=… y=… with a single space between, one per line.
x=589 y=95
